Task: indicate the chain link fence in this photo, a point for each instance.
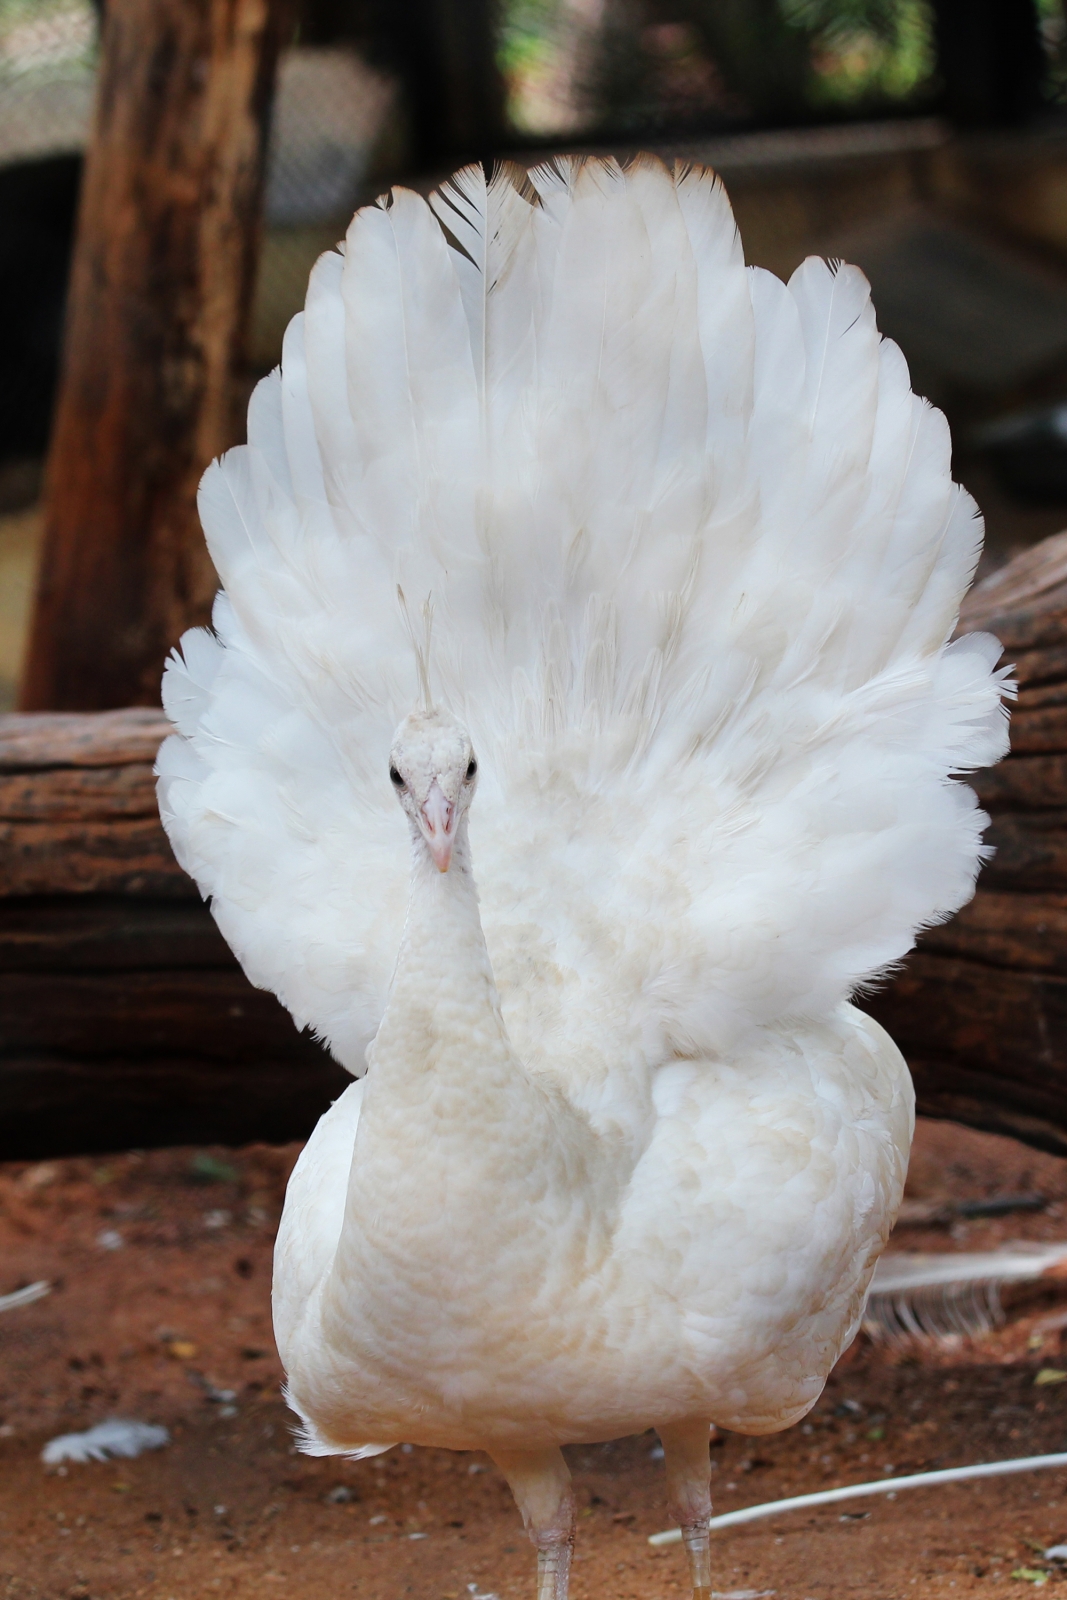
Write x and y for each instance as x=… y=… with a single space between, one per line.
x=48 y=52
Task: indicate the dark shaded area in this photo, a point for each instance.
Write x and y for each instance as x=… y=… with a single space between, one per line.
x=1028 y=452
x=444 y=52
x=38 y=201
x=990 y=59
x=124 y=1018
x=126 y=1022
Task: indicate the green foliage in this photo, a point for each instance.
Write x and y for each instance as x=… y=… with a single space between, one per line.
x=1052 y=22
x=206 y=1168
x=865 y=50
x=42 y=39
x=647 y=62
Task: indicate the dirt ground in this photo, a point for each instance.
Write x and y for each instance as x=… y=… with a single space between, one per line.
x=160 y=1266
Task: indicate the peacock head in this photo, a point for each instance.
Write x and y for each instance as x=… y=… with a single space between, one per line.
x=433 y=770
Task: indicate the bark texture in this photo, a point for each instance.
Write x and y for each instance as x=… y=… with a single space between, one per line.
x=980 y=1008
x=156 y=323
x=124 y=1018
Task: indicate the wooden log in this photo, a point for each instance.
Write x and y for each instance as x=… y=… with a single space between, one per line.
x=118 y=739
x=156 y=321
x=101 y=933
x=1030 y=852
x=995 y=1020
x=52 y=1105
x=980 y=1008
x=124 y=1018
x=1027 y=932
x=1041 y=730
x=78 y=807
x=1020 y=785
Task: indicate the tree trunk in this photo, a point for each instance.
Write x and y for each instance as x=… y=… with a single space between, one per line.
x=156 y=321
x=980 y=1009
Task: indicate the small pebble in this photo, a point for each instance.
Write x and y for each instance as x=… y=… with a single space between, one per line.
x=181 y=1349
x=40 y=1176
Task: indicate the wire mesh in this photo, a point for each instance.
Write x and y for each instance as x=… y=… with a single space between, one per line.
x=48 y=51
x=331 y=114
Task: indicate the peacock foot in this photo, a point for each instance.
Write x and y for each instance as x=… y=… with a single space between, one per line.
x=697 y=1543
x=553 y=1569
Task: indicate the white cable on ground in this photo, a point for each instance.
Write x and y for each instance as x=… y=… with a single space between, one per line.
x=25 y=1297
x=852 y=1491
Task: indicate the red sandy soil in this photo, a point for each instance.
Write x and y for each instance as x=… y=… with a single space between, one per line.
x=161 y=1269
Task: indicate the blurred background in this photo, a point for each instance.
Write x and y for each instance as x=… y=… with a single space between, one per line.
x=925 y=141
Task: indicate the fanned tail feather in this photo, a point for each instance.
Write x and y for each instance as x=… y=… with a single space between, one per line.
x=695 y=554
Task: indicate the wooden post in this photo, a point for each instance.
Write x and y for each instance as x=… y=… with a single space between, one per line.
x=157 y=314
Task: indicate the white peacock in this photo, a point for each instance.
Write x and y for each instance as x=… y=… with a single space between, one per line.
x=624 y=1155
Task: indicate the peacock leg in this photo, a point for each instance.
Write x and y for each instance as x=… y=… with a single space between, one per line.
x=541 y=1484
x=686 y=1458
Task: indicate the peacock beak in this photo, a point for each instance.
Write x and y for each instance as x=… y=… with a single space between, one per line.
x=438 y=823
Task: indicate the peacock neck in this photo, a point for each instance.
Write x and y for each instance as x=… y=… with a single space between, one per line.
x=443 y=993
x=452 y=1119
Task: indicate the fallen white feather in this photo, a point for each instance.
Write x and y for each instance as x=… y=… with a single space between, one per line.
x=941 y=1296
x=896 y=1274
x=25 y=1297
x=108 y=1439
x=852 y=1491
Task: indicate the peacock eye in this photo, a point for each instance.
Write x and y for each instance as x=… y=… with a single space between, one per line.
x=472 y=769
x=395 y=778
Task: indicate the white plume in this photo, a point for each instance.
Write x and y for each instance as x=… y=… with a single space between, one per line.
x=695 y=555
x=114 y=1438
